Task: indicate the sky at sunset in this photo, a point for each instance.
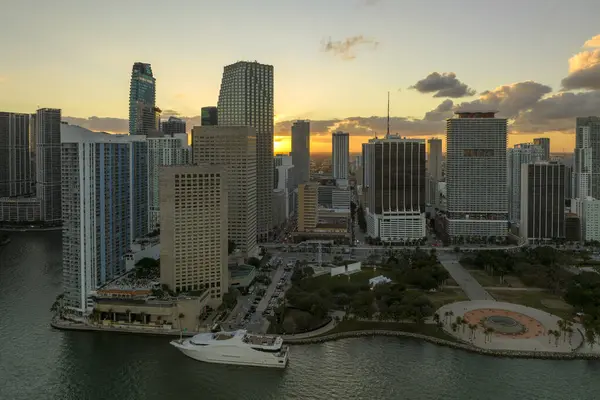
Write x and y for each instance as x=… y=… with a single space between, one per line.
x=536 y=62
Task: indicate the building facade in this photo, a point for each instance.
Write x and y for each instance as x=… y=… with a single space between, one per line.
x=340 y=149
x=301 y=151
x=246 y=99
x=48 y=164
x=193 y=229
x=544 y=144
x=234 y=147
x=588 y=210
x=586 y=161
x=397 y=188
x=308 y=207
x=522 y=153
x=476 y=196
x=542 y=201
x=284 y=182
x=142 y=99
x=16 y=175
x=166 y=150
x=173 y=126
x=96 y=211
x=434 y=170
x=209 y=116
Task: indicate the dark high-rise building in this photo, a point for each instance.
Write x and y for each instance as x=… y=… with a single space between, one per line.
x=142 y=99
x=301 y=151
x=209 y=116
x=396 y=176
x=48 y=164
x=544 y=143
x=542 y=201
x=15 y=155
x=173 y=125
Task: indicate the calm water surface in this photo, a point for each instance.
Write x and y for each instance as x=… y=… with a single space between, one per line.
x=37 y=362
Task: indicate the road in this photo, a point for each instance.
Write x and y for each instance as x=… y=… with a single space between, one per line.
x=468 y=284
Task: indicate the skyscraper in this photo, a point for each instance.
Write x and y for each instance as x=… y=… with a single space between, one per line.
x=15 y=156
x=142 y=99
x=96 y=195
x=542 y=201
x=476 y=175
x=301 y=151
x=193 y=229
x=246 y=99
x=209 y=116
x=397 y=188
x=48 y=164
x=522 y=153
x=138 y=149
x=234 y=148
x=308 y=205
x=173 y=125
x=586 y=168
x=434 y=170
x=166 y=150
x=340 y=148
x=544 y=143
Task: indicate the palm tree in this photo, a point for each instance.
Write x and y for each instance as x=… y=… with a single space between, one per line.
x=491 y=333
x=473 y=328
x=128 y=312
x=180 y=317
x=550 y=335
x=454 y=326
x=450 y=314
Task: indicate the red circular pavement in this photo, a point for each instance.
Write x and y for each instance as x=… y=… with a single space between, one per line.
x=532 y=326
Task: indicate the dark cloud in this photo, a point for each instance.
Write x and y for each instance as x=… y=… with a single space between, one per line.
x=584 y=71
x=346 y=48
x=441 y=112
x=508 y=100
x=169 y=113
x=120 y=125
x=444 y=85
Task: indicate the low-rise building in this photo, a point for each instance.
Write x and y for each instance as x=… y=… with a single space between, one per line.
x=148 y=247
x=241 y=276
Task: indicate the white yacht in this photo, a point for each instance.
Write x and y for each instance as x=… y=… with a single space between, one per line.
x=237 y=348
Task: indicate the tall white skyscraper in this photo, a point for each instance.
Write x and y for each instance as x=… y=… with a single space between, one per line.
x=15 y=157
x=48 y=121
x=340 y=149
x=476 y=175
x=586 y=168
x=522 y=153
x=434 y=170
x=234 y=149
x=246 y=99
x=301 y=151
x=96 y=196
x=165 y=150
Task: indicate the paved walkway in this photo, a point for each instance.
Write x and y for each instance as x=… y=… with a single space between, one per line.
x=468 y=284
x=320 y=331
x=538 y=321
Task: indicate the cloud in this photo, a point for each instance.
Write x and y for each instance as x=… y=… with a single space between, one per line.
x=441 y=112
x=593 y=42
x=445 y=85
x=370 y=2
x=508 y=100
x=346 y=48
x=169 y=113
x=584 y=70
x=121 y=125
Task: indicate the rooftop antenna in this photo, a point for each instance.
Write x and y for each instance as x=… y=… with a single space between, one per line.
x=388 y=117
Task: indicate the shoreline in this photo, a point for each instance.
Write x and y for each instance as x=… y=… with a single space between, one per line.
x=543 y=355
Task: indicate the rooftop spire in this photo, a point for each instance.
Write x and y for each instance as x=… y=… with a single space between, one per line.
x=388 y=116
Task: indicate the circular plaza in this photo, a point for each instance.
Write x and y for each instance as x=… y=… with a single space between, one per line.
x=506 y=326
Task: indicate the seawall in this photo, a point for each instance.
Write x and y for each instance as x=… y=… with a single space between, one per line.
x=546 y=355
x=71 y=326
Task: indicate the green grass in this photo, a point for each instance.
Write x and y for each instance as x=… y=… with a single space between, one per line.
x=487 y=280
x=446 y=296
x=542 y=300
x=423 y=329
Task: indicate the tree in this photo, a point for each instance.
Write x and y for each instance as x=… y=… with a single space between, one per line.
x=254 y=262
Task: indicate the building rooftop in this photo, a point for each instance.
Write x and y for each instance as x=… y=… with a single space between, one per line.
x=241 y=270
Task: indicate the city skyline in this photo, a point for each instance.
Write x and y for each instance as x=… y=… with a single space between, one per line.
x=360 y=50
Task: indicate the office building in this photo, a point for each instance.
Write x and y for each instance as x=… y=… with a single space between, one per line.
x=246 y=99
x=167 y=150
x=434 y=170
x=544 y=144
x=308 y=207
x=542 y=201
x=142 y=99
x=340 y=149
x=284 y=182
x=173 y=126
x=147 y=119
x=48 y=172
x=15 y=155
x=193 y=229
x=234 y=147
x=397 y=188
x=301 y=151
x=586 y=168
x=522 y=153
x=96 y=195
x=588 y=210
x=573 y=229
x=331 y=196
x=476 y=196
x=209 y=116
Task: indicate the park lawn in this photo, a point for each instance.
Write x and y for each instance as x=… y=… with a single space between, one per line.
x=542 y=300
x=445 y=296
x=486 y=280
x=423 y=329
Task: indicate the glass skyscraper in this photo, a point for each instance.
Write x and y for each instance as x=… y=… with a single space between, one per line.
x=142 y=96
